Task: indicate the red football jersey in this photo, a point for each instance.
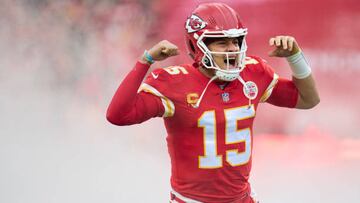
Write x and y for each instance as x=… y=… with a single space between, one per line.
x=210 y=146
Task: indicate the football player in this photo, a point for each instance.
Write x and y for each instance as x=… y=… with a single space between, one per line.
x=209 y=106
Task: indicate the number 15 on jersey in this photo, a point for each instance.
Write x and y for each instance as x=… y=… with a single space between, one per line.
x=233 y=135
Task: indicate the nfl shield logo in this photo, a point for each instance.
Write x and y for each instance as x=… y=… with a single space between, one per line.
x=225 y=96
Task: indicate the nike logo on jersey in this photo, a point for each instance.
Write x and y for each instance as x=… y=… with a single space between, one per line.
x=154 y=75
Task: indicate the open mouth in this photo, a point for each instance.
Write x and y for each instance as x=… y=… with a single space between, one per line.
x=232 y=61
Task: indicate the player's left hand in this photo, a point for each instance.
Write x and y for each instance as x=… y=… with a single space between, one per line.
x=285 y=46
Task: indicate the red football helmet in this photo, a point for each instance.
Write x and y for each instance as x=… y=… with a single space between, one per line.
x=215 y=20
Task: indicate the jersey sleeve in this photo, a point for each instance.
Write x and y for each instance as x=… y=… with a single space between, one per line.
x=158 y=83
x=284 y=94
x=279 y=91
x=129 y=107
x=263 y=74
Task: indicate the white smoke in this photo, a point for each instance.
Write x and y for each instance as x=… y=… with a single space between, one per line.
x=60 y=63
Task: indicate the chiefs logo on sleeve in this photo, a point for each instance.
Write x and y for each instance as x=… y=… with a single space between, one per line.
x=194 y=23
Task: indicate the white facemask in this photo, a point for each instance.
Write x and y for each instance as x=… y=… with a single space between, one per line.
x=231 y=71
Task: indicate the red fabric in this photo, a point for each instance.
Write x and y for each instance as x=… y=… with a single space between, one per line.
x=209 y=146
x=127 y=106
x=285 y=94
x=227 y=181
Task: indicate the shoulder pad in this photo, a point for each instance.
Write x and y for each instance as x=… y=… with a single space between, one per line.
x=176 y=70
x=171 y=72
x=249 y=60
x=253 y=60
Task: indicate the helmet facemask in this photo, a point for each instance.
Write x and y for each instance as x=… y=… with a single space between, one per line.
x=234 y=61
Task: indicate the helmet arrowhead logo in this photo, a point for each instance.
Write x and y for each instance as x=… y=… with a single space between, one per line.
x=194 y=23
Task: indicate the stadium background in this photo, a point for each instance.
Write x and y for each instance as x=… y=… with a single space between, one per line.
x=61 y=61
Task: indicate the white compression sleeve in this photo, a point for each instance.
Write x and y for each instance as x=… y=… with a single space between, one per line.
x=299 y=66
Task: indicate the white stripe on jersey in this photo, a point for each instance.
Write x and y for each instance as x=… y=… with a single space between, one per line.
x=269 y=89
x=167 y=103
x=185 y=199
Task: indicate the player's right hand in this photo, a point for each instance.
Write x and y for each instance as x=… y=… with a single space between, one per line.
x=162 y=50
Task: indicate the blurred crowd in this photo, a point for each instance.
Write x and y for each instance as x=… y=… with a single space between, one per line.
x=73 y=44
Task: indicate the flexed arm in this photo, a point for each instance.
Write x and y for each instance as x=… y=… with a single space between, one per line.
x=129 y=107
x=286 y=46
x=159 y=52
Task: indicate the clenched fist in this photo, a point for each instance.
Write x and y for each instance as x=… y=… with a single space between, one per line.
x=285 y=46
x=161 y=51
